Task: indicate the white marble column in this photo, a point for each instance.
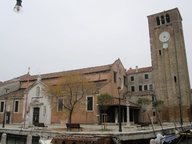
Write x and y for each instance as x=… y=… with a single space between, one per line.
x=128 y=118
x=29 y=139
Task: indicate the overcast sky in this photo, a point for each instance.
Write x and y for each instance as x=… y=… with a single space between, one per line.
x=58 y=35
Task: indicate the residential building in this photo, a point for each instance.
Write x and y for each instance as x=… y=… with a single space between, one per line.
x=140 y=85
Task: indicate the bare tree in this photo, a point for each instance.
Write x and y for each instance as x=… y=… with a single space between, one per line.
x=72 y=88
x=143 y=102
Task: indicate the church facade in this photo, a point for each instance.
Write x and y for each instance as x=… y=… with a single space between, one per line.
x=24 y=97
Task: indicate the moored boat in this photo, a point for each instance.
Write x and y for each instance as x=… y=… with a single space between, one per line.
x=165 y=139
x=187 y=133
x=82 y=139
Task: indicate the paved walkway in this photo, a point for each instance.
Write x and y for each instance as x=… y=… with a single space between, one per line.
x=128 y=132
x=99 y=128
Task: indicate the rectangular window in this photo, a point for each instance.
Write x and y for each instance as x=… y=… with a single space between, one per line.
x=146 y=76
x=16 y=106
x=115 y=76
x=153 y=98
x=132 y=78
x=89 y=103
x=145 y=87
x=154 y=113
x=2 y=106
x=140 y=88
x=60 y=104
x=159 y=52
x=150 y=86
x=175 y=78
x=132 y=88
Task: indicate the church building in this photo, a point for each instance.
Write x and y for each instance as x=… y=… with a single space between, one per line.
x=167 y=80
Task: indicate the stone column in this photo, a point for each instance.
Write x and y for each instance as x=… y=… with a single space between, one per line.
x=29 y=139
x=116 y=116
x=128 y=112
x=3 y=138
x=128 y=118
x=152 y=141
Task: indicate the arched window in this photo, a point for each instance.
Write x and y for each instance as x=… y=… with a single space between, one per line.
x=162 y=19
x=167 y=18
x=158 y=20
x=38 y=91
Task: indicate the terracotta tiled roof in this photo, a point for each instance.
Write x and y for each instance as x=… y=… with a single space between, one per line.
x=131 y=104
x=52 y=78
x=77 y=71
x=16 y=79
x=16 y=94
x=139 y=70
x=9 y=82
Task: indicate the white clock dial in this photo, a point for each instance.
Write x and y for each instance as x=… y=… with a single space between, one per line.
x=164 y=36
x=165 y=45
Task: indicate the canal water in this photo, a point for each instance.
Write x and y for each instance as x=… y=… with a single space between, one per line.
x=22 y=140
x=186 y=141
x=147 y=141
x=19 y=139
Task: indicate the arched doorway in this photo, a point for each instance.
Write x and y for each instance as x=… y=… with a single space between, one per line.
x=36 y=111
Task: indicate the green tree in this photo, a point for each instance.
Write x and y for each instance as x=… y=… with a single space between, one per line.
x=104 y=100
x=72 y=88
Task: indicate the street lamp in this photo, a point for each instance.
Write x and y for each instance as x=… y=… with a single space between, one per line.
x=18 y=7
x=119 y=88
x=119 y=116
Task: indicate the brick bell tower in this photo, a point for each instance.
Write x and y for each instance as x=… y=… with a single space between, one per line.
x=169 y=62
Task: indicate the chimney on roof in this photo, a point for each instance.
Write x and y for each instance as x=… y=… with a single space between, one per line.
x=136 y=69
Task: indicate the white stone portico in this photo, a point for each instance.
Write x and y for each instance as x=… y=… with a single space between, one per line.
x=38 y=107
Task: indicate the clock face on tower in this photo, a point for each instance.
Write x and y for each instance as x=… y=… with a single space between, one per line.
x=164 y=36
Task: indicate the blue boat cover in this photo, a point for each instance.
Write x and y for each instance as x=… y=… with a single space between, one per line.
x=169 y=138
